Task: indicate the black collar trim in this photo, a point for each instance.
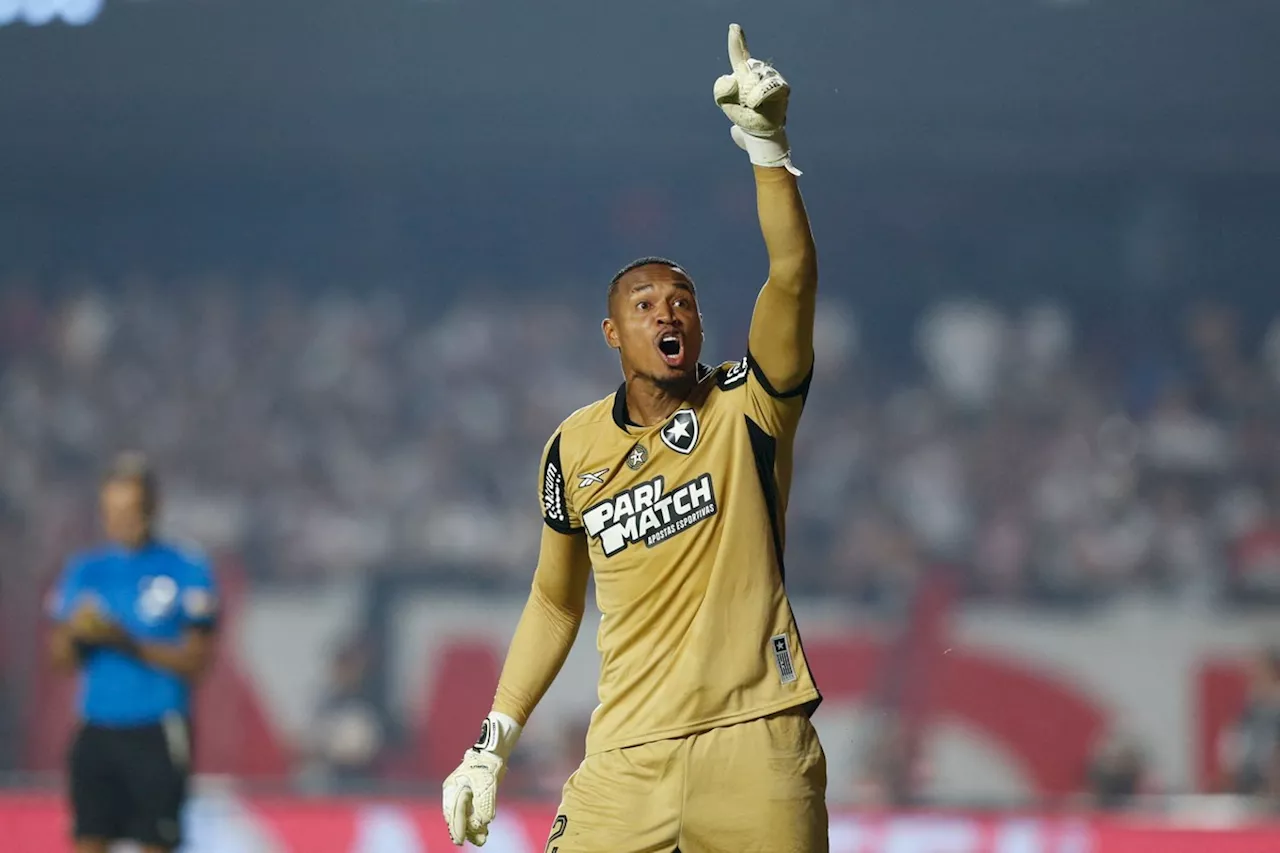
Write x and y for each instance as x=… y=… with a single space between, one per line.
x=620 y=415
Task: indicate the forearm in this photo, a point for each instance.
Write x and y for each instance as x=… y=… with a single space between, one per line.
x=64 y=651
x=189 y=659
x=781 y=339
x=541 y=644
x=548 y=626
x=175 y=659
x=784 y=223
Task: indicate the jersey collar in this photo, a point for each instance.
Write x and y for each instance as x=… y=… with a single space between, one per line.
x=623 y=418
x=620 y=416
x=144 y=546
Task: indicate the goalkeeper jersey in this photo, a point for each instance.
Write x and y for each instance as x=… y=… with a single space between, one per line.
x=685 y=525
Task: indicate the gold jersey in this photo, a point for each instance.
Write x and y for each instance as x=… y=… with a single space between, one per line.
x=684 y=521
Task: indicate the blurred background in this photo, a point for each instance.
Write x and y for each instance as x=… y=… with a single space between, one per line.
x=339 y=268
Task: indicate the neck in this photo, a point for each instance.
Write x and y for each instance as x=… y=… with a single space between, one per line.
x=649 y=402
x=135 y=544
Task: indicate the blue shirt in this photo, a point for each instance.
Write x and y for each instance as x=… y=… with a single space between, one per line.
x=155 y=594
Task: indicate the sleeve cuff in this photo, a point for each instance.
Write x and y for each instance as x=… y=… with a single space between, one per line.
x=563 y=527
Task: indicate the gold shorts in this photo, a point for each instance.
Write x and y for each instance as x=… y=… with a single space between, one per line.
x=754 y=787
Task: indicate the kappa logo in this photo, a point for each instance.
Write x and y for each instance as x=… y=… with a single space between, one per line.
x=645 y=513
x=592 y=478
x=681 y=434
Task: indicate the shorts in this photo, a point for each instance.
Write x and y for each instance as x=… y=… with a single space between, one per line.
x=131 y=783
x=754 y=787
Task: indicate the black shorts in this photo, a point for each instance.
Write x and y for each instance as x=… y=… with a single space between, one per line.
x=131 y=783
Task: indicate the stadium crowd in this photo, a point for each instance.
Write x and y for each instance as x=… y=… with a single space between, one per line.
x=354 y=432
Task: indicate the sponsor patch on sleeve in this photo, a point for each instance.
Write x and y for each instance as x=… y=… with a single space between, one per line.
x=199 y=604
x=555 y=502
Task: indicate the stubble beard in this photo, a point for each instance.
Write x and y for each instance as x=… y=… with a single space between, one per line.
x=675 y=386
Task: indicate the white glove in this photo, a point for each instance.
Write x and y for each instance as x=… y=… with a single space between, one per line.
x=471 y=791
x=754 y=97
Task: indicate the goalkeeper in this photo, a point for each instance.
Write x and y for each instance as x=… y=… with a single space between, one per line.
x=673 y=492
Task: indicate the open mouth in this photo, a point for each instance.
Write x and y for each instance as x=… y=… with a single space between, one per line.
x=671 y=345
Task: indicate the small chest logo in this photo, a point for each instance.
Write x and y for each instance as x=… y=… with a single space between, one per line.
x=681 y=433
x=592 y=478
x=157 y=597
x=645 y=513
x=637 y=457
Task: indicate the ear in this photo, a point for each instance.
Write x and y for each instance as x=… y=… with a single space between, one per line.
x=610 y=333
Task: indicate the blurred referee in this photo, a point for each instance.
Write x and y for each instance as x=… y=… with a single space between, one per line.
x=136 y=619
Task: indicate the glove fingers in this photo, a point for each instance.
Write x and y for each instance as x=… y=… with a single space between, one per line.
x=754 y=97
x=767 y=92
x=766 y=84
x=448 y=801
x=726 y=89
x=750 y=120
x=459 y=817
x=738 y=53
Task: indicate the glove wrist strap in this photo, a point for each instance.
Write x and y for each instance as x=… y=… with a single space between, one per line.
x=772 y=151
x=498 y=734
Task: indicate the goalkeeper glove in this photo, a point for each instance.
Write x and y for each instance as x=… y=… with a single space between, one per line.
x=471 y=791
x=754 y=97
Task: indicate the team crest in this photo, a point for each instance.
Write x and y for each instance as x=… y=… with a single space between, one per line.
x=681 y=434
x=637 y=457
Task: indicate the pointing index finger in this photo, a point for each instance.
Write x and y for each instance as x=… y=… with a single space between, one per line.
x=738 y=54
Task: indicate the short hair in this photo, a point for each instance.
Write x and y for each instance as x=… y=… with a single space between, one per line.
x=644 y=262
x=132 y=466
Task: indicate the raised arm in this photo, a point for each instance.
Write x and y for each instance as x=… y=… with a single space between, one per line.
x=781 y=338
x=755 y=98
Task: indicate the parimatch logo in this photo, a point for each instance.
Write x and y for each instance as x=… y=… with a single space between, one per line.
x=647 y=513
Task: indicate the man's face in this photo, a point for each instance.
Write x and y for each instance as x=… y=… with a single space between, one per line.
x=654 y=323
x=124 y=512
